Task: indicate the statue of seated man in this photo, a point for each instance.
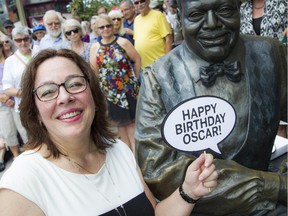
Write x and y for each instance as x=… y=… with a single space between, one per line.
x=257 y=90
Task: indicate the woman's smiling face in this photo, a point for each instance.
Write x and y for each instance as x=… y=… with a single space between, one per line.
x=69 y=115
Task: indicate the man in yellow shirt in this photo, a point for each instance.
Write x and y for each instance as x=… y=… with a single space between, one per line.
x=152 y=33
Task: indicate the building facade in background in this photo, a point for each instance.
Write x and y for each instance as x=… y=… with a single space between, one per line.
x=34 y=9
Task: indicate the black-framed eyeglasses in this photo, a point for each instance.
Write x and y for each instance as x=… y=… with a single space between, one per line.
x=105 y=26
x=49 y=91
x=75 y=31
x=19 y=40
x=118 y=19
x=137 y=2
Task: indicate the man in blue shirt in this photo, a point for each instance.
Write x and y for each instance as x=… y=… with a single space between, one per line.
x=53 y=39
x=128 y=10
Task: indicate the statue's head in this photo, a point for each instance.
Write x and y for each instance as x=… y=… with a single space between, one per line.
x=210 y=27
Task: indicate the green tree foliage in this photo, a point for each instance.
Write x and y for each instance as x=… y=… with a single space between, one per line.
x=85 y=9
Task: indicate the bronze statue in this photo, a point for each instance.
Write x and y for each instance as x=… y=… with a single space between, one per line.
x=256 y=87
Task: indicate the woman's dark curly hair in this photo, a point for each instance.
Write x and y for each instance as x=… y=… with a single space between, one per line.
x=101 y=133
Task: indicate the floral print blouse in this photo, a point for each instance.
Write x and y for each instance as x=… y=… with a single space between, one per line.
x=117 y=77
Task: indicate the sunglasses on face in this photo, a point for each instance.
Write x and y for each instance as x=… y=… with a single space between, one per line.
x=75 y=31
x=105 y=26
x=137 y=2
x=19 y=40
x=118 y=19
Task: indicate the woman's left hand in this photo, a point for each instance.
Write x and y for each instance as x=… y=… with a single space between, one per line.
x=201 y=177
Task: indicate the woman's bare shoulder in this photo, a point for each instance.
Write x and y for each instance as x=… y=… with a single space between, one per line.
x=13 y=204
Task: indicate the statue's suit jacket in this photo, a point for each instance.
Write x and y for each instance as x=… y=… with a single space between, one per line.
x=168 y=81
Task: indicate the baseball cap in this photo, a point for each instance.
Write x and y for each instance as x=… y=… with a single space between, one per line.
x=8 y=23
x=38 y=28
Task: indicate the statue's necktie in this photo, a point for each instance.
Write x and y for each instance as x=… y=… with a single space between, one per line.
x=208 y=74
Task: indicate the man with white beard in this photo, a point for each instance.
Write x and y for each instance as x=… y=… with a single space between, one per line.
x=53 y=39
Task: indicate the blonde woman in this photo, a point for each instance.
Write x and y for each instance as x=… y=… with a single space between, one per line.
x=14 y=67
x=8 y=46
x=74 y=32
x=118 y=28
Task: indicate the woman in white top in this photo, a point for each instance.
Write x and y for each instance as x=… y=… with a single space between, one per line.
x=8 y=46
x=74 y=166
x=14 y=68
x=7 y=129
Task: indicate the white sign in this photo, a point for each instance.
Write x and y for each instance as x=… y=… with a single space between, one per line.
x=199 y=123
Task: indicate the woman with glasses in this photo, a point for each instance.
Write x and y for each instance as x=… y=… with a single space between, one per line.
x=53 y=39
x=8 y=46
x=118 y=28
x=112 y=58
x=14 y=68
x=8 y=132
x=74 y=32
x=73 y=164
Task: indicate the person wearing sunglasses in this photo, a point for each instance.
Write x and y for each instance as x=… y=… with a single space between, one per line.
x=118 y=29
x=54 y=38
x=9 y=46
x=152 y=33
x=74 y=32
x=113 y=58
x=14 y=68
x=74 y=164
x=8 y=132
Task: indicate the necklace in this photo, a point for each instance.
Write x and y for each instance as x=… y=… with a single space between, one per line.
x=80 y=169
x=77 y=165
x=117 y=192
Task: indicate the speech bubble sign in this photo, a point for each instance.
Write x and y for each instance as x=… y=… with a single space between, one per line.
x=199 y=123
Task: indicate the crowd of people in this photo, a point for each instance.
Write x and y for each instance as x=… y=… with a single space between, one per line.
x=83 y=127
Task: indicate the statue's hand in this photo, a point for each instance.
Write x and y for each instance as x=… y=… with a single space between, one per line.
x=241 y=189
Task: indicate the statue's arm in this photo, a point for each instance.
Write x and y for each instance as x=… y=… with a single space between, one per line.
x=162 y=167
x=243 y=190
